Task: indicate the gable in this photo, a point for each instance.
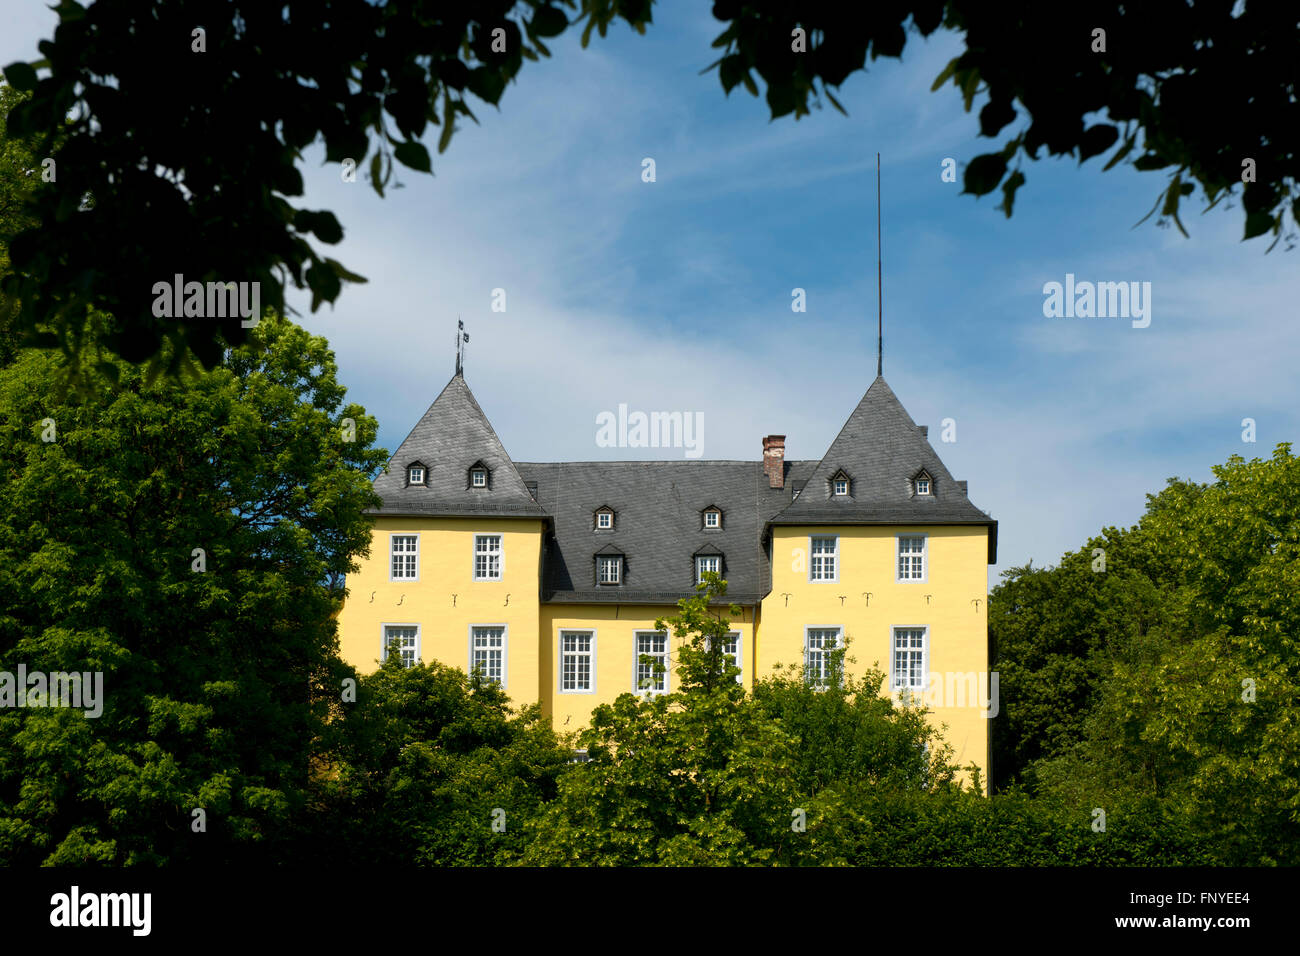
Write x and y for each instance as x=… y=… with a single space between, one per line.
x=881 y=450
x=452 y=436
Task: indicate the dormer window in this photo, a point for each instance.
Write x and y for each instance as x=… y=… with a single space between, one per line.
x=923 y=484
x=707 y=563
x=609 y=566
x=415 y=474
x=480 y=476
x=712 y=519
x=604 y=519
x=609 y=569
x=840 y=483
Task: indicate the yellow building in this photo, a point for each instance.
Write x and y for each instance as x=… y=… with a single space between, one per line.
x=549 y=577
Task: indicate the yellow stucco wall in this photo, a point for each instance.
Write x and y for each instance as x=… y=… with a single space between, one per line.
x=950 y=603
x=446 y=600
x=615 y=630
x=868 y=601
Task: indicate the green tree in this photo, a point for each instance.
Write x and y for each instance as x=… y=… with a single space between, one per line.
x=20 y=174
x=429 y=766
x=845 y=730
x=684 y=778
x=708 y=775
x=195 y=175
x=1216 y=698
x=868 y=827
x=188 y=542
x=1055 y=633
x=1185 y=664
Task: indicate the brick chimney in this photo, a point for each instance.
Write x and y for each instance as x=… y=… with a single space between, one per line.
x=774 y=460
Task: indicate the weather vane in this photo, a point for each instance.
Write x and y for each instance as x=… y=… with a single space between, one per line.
x=462 y=337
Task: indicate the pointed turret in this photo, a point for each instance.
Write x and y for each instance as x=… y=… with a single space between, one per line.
x=461 y=467
x=881 y=469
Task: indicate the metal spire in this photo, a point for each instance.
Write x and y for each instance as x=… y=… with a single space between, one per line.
x=880 y=289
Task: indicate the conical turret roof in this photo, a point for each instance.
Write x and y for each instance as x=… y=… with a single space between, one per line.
x=881 y=451
x=450 y=439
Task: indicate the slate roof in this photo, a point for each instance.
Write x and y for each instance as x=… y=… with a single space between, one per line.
x=658 y=526
x=881 y=450
x=453 y=435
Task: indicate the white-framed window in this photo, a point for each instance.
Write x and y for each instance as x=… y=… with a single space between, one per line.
x=488 y=557
x=731 y=648
x=794 y=494
x=908 y=670
x=404 y=639
x=415 y=475
x=604 y=520
x=911 y=557
x=404 y=550
x=577 y=662
x=609 y=569
x=712 y=519
x=707 y=562
x=824 y=560
x=818 y=643
x=841 y=486
x=651 y=662
x=478 y=477
x=487 y=651
x=923 y=486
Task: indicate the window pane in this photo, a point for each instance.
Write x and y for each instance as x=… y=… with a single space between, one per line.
x=704 y=564
x=822 y=565
x=911 y=558
x=404 y=640
x=575 y=660
x=403 y=556
x=487 y=556
x=820 y=642
x=489 y=652
x=909 y=658
x=652 y=661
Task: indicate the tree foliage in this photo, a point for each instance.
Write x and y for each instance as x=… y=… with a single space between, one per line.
x=187 y=542
x=1054 y=634
x=18 y=166
x=428 y=766
x=197 y=175
x=1051 y=71
x=710 y=775
x=865 y=827
x=1189 y=680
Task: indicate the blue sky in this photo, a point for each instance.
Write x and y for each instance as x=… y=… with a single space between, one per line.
x=676 y=295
